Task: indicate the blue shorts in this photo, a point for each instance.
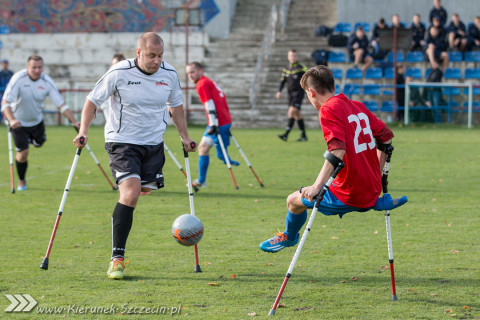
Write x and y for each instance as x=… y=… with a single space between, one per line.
x=224 y=132
x=330 y=205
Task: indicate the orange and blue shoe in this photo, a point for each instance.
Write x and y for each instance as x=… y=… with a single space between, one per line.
x=278 y=242
x=115 y=269
x=22 y=185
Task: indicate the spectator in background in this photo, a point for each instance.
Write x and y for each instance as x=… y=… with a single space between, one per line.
x=457 y=35
x=438 y=11
x=435 y=49
x=400 y=91
x=417 y=99
x=5 y=76
x=358 y=49
x=441 y=29
x=474 y=34
x=377 y=52
x=434 y=95
x=396 y=22
x=418 y=33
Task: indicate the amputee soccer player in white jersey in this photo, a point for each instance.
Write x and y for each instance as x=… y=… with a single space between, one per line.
x=22 y=105
x=145 y=90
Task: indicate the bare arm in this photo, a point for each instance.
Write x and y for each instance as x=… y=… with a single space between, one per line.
x=178 y=118
x=88 y=114
x=327 y=170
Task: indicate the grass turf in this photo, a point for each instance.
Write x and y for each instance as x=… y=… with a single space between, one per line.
x=341 y=274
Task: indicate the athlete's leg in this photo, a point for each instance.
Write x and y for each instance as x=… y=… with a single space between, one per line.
x=224 y=132
x=204 y=158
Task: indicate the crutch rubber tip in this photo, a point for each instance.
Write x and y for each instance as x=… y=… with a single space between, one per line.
x=13 y=190
x=394 y=298
x=261 y=185
x=115 y=188
x=195 y=188
x=197 y=269
x=271 y=313
x=44 y=264
x=236 y=187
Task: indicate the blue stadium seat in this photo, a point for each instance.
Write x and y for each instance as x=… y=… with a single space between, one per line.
x=337 y=56
x=472 y=73
x=337 y=89
x=400 y=56
x=389 y=73
x=373 y=73
x=387 y=106
x=337 y=73
x=343 y=27
x=474 y=104
x=365 y=25
x=472 y=56
x=415 y=56
x=354 y=73
x=453 y=73
x=475 y=91
x=371 y=105
x=451 y=91
x=371 y=89
x=415 y=73
x=4 y=29
x=351 y=88
x=455 y=56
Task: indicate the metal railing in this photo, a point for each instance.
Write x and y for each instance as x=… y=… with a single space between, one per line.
x=284 y=8
x=268 y=40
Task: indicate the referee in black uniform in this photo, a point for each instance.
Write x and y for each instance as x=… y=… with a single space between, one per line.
x=292 y=75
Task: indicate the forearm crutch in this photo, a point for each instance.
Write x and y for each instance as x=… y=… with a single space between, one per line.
x=389 y=151
x=227 y=159
x=44 y=264
x=246 y=160
x=10 y=157
x=190 y=196
x=99 y=165
x=318 y=199
x=177 y=163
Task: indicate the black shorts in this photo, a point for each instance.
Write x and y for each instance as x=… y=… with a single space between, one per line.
x=295 y=100
x=23 y=136
x=131 y=159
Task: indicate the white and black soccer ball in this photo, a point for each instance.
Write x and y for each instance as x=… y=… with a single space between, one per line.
x=187 y=230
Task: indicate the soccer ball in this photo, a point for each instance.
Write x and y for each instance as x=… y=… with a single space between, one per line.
x=187 y=230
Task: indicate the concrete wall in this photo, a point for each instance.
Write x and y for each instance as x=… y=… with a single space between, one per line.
x=78 y=60
x=371 y=10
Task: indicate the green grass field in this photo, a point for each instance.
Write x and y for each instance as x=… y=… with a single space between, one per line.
x=341 y=272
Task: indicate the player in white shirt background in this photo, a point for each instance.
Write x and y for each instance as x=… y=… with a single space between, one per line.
x=22 y=105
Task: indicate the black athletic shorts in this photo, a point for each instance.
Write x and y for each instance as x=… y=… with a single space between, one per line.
x=131 y=159
x=295 y=99
x=23 y=136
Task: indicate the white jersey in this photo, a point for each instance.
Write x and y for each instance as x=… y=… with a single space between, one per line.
x=138 y=112
x=26 y=97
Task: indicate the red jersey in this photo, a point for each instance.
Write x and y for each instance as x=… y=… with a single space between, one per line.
x=208 y=89
x=349 y=125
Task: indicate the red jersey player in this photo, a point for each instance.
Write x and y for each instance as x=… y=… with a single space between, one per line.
x=219 y=120
x=352 y=134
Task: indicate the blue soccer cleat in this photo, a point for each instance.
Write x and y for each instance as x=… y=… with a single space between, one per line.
x=278 y=242
x=388 y=203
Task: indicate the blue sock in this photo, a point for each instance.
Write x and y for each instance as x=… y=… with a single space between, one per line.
x=203 y=162
x=387 y=203
x=221 y=157
x=294 y=223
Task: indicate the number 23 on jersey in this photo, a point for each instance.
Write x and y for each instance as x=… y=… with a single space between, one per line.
x=362 y=127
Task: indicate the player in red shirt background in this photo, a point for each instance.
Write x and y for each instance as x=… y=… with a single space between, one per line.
x=219 y=120
x=352 y=134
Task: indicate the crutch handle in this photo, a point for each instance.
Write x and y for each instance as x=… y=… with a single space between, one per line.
x=81 y=140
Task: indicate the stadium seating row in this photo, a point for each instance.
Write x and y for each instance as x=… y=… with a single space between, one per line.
x=387 y=106
x=415 y=73
x=346 y=27
x=412 y=57
x=375 y=90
